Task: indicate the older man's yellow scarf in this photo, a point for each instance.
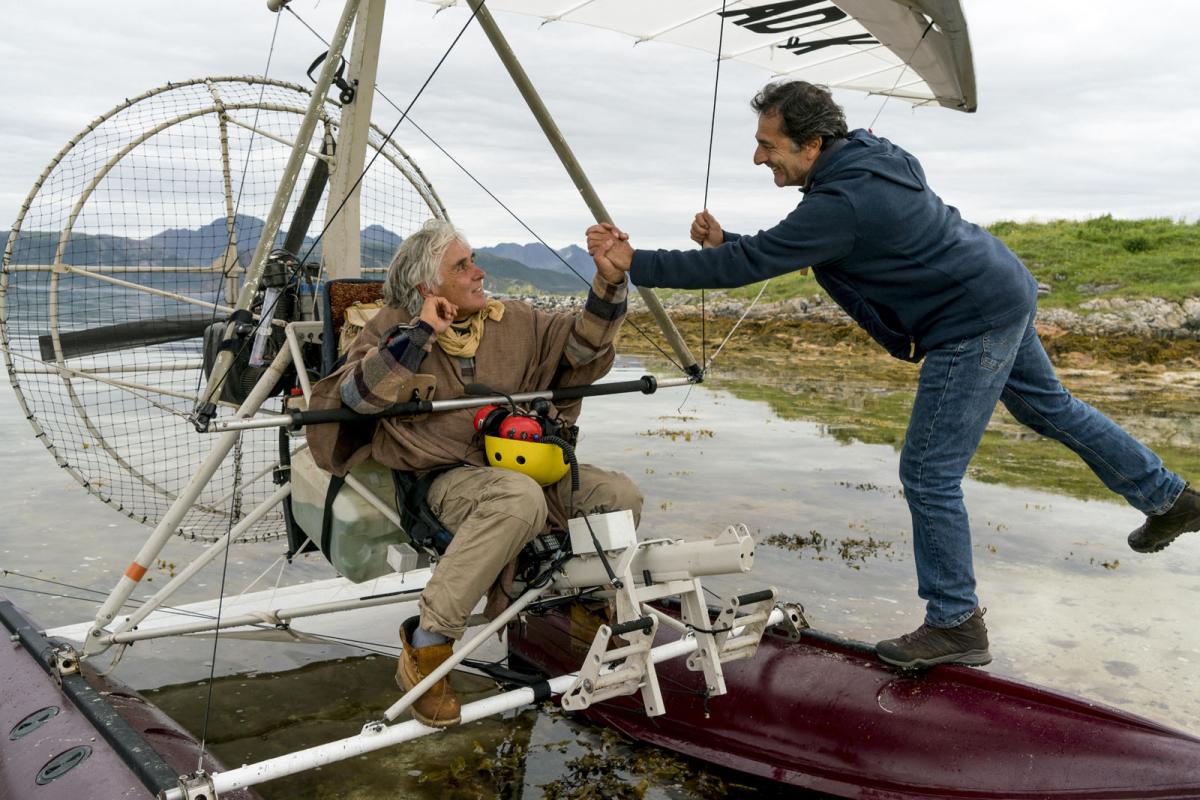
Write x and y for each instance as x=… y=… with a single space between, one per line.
x=462 y=338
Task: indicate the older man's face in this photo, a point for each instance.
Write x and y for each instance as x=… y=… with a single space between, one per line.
x=462 y=281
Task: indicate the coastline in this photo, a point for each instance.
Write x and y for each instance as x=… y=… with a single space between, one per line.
x=1120 y=331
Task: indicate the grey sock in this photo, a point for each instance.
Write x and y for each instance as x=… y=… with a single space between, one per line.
x=424 y=638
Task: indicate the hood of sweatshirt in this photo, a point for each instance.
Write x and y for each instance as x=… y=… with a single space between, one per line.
x=860 y=152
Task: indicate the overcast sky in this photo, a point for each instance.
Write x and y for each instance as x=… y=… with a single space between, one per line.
x=1085 y=107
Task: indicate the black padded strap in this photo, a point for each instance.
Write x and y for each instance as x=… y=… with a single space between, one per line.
x=420 y=523
x=336 y=482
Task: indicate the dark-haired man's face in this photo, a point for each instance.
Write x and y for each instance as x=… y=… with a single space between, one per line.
x=789 y=162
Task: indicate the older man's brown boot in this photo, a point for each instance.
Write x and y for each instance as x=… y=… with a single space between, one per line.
x=438 y=707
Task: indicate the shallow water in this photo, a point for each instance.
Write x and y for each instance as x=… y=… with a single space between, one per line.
x=805 y=454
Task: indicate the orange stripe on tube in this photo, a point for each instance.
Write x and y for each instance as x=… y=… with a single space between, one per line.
x=135 y=572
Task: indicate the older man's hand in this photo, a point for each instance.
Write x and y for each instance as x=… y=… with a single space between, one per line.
x=438 y=313
x=609 y=247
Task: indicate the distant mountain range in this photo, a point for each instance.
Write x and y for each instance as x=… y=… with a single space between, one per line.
x=510 y=267
x=540 y=256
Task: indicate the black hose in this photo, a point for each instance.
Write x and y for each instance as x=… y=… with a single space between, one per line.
x=568 y=456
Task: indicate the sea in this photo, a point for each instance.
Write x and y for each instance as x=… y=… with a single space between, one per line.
x=804 y=452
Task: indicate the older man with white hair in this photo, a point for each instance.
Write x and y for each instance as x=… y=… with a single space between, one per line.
x=439 y=321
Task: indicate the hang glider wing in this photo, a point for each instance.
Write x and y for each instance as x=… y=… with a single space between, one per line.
x=915 y=50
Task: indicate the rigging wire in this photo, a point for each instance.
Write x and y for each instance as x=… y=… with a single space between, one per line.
x=103 y=594
x=270 y=311
x=212 y=672
x=235 y=500
x=899 y=77
x=712 y=132
x=732 y=330
x=516 y=218
x=887 y=97
x=237 y=203
x=388 y=138
x=96 y=600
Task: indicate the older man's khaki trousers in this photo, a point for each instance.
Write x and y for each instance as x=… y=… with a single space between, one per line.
x=493 y=513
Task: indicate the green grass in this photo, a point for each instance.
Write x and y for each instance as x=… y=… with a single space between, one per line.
x=1007 y=455
x=1080 y=261
x=1106 y=257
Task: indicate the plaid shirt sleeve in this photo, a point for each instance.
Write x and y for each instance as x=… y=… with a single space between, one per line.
x=597 y=326
x=373 y=384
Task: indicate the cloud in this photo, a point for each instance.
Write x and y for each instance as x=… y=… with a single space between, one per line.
x=1085 y=108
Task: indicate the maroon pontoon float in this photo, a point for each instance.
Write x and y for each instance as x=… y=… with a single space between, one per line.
x=73 y=734
x=825 y=714
x=806 y=710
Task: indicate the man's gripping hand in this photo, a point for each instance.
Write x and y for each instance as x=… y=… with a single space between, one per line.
x=706 y=231
x=609 y=247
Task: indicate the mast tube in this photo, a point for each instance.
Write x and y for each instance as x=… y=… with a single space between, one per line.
x=341 y=251
x=266 y=242
x=575 y=170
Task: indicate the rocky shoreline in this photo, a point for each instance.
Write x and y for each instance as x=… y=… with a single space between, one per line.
x=1152 y=318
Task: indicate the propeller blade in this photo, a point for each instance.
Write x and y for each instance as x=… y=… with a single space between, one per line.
x=125 y=335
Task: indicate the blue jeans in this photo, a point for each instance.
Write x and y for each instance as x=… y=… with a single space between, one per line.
x=958 y=389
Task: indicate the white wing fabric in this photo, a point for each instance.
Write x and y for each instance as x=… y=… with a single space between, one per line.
x=916 y=50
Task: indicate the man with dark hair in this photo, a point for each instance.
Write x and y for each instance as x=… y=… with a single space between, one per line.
x=927 y=286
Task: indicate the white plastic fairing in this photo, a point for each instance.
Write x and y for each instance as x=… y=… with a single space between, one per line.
x=614 y=531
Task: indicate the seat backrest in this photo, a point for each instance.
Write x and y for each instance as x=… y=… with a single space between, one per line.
x=339 y=295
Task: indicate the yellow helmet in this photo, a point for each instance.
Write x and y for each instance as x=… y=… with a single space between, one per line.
x=545 y=463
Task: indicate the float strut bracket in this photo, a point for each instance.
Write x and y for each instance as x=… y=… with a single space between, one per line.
x=632 y=672
x=628 y=667
x=64 y=661
x=197 y=786
x=750 y=613
x=794 y=623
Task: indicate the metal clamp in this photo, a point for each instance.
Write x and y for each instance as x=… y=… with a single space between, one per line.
x=594 y=684
x=794 y=622
x=634 y=668
x=197 y=786
x=755 y=610
x=63 y=662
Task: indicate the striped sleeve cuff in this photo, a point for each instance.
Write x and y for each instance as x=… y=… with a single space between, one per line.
x=597 y=326
x=375 y=380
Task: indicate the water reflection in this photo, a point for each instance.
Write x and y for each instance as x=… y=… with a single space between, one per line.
x=814 y=458
x=873 y=407
x=805 y=454
x=537 y=752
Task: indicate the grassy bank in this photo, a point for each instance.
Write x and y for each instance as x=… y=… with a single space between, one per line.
x=773 y=337
x=1079 y=261
x=835 y=376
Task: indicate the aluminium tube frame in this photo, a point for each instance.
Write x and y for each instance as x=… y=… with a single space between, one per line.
x=556 y=139
x=435 y=406
x=199 y=562
x=379 y=736
x=283 y=195
x=94 y=642
x=276 y=617
x=443 y=669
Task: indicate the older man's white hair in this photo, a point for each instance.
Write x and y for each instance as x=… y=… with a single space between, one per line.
x=416 y=264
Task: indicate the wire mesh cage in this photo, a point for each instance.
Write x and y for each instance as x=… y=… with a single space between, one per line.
x=135 y=238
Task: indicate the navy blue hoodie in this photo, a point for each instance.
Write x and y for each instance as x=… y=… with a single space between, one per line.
x=903 y=264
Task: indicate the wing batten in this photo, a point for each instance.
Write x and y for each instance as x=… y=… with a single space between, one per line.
x=834 y=42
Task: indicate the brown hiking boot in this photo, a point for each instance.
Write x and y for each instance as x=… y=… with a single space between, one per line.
x=1160 y=530
x=438 y=707
x=966 y=643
